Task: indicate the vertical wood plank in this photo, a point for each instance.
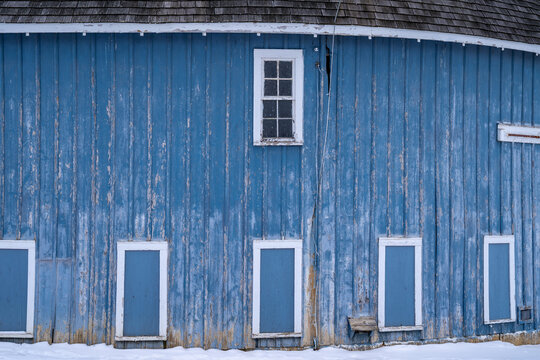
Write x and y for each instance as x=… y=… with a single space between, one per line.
x=30 y=156
x=427 y=193
x=345 y=197
x=379 y=169
x=198 y=174
x=13 y=130
x=363 y=302
x=217 y=211
x=442 y=186
x=472 y=241
x=83 y=167
x=179 y=194
x=457 y=225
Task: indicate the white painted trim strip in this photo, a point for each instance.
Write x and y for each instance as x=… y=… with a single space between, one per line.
x=268 y=28
x=277 y=244
x=29 y=245
x=500 y=239
x=400 y=241
x=518 y=133
x=122 y=247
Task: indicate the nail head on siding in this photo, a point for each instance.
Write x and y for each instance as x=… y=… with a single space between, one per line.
x=27 y=34
x=314 y=35
x=258 y=34
x=203 y=34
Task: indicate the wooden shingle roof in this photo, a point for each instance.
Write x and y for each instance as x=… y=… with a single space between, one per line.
x=512 y=20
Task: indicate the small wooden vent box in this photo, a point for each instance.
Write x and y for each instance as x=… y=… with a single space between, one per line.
x=363 y=323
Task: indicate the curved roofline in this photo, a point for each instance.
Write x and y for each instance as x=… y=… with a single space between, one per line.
x=266 y=28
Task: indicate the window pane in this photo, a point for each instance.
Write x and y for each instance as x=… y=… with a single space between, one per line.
x=141 y=293
x=399 y=286
x=285 y=87
x=285 y=109
x=285 y=128
x=270 y=69
x=499 y=281
x=269 y=108
x=285 y=69
x=277 y=291
x=270 y=87
x=269 y=128
x=13 y=289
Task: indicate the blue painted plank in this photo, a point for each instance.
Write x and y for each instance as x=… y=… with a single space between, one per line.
x=64 y=173
x=123 y=150
x=179 y=196
x=346 y=122
x=13 y=130
x=327 y=207
x=13 y=289
x=536 y=194
x=30 y=150
x=63 y=300
x=399 y=286
x=457 y=212
x=313 y=92
x=412 y=138
x=517 y=179
x=141 y=293
x=234 y=233
x=2 y=138
x=471 y=262
x=379 y=168
x=364 y=271
x=217 y=212
x=64 y=182
x=442 y=188
x=396 y=146
x=482 y=163
x=100 y=302
x=46 y=244
x=527 y=259
x=428 y=222
x=141 y=169
x=277 y=291
x=157 y=132
x=499 y=281
x=84 y=125
x=198 y=195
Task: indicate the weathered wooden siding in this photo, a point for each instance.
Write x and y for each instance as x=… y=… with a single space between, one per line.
x=112 y=137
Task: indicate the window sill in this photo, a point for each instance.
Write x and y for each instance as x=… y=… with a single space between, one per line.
x=276 y=335
x=278 y=143
x=502 y=321
x=16 y=334
x=140 y=338
x=402 y=328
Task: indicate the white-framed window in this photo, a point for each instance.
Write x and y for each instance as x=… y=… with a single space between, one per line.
x=278 y=93
x=277 y=288
x=17 y=288
x=400 y=284
x=499 y=279
x=141 y=291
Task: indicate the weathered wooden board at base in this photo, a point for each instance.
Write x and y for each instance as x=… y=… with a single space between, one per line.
x=115 y=137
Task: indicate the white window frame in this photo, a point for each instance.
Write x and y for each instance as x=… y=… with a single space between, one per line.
x=259 y=56
x=518 y=133
x=122 y=247
x=500 y=239
x=258 y=245
x=29 y=245
x=399 y=241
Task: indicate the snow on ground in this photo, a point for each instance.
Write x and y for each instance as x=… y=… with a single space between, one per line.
x=460 y=351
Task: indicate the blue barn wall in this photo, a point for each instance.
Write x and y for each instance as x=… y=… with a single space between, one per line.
x=110 y=137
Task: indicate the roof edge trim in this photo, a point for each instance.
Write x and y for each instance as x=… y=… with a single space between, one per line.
x=266 y=28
